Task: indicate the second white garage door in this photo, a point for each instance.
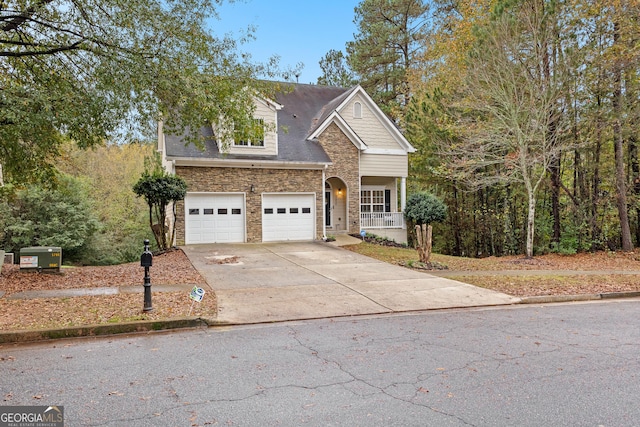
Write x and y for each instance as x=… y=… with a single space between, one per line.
x=214 y=218
x=288 y=217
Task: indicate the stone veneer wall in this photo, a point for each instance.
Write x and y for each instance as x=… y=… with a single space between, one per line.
x=239 y=180
x=346 y=166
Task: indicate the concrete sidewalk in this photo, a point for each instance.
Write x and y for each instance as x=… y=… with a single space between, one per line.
x=257 y=283
x=83 y=292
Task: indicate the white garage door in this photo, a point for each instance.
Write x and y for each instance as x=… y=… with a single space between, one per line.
x=288 y=217
x=214 y=218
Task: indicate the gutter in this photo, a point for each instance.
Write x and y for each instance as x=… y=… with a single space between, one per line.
x=249 y=163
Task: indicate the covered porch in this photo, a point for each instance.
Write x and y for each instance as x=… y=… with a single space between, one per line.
x=378 y=211
x=382 y=202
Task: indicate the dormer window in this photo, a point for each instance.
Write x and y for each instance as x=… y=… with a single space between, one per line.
x=252 y=136
x=357 y=110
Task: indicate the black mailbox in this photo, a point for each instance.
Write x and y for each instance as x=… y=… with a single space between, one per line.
x=146 y=259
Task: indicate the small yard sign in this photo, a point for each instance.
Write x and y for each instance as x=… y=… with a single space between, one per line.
x=197 y=294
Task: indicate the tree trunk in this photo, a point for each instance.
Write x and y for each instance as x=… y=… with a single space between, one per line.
x=429 y=243
x=530 y=225
x=152 y=225
x=595 y=183
x=621 y=186
x=173 y=224
x=424 y=236
x=631 y=129
x=162 y=222
x=554 y=165
x=508 y=226
x=635 y=181
x=457 y=239
x=555 y=199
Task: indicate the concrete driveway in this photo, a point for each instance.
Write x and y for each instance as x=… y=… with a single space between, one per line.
x=269 y=282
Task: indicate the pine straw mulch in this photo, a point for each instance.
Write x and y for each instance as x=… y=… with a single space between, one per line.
x=169 y=268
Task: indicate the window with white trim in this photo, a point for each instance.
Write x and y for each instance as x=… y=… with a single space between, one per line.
x=357 y=110
x=372 y=200
x=251 y=136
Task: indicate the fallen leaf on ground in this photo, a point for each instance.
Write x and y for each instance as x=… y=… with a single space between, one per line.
x=169 y=268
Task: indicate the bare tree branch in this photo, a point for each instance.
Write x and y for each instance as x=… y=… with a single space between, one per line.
x=50 y=51
x=15 y=22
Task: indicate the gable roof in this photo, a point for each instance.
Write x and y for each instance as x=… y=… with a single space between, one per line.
x=339 y=103
x=303 y=112
x=336 y=118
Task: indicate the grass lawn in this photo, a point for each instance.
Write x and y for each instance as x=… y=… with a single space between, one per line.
x=550 y=274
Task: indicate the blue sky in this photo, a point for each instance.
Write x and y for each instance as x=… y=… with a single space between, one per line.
x=296 y=30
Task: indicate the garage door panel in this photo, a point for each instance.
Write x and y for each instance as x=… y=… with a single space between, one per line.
x=214 y=218
x=288 y=217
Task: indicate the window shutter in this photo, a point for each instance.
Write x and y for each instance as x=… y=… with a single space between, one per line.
x=387 y=200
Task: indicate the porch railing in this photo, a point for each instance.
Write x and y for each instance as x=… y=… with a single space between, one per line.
x=381 y=220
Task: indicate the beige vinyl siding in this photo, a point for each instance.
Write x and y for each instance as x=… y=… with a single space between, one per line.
x=264 y=112
x=368 y=128
x=383 y=165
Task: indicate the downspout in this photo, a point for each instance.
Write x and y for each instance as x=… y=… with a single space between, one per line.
x=324 y=203
x=160 y=145
x=173 y=222
x=403 y=196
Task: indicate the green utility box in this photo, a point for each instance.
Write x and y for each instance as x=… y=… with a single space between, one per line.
x=41 y=258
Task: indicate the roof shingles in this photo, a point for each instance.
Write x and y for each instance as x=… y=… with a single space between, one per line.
x=304 y=108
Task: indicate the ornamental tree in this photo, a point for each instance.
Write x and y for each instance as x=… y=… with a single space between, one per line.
x=423 y=209
x=160 y=190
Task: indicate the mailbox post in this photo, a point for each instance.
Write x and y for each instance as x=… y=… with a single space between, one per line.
x=146 y=260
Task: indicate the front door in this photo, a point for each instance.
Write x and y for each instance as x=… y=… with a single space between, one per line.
x=327 y=208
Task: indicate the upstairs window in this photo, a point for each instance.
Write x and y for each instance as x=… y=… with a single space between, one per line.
x=251 y=136
x=357 y=110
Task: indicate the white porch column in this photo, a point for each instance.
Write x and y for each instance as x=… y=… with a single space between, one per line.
x=403 y=193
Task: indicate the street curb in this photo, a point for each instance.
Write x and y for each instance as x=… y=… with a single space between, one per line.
x=29 y=336
x=26 y=336
x=576 y=298
x=630 y=294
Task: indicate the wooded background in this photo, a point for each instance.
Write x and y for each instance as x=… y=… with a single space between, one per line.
x=524 y=113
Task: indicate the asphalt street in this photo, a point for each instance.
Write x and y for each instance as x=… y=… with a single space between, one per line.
x=562 y=365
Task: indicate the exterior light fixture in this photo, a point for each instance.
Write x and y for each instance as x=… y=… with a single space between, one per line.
x=253 y=188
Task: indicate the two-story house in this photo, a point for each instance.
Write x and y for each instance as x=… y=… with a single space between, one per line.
x=322 y=161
